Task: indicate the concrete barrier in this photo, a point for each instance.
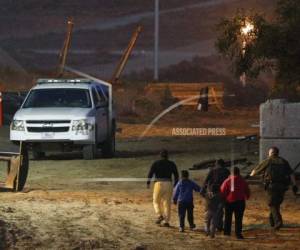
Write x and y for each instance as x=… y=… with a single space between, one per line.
x=280 y=127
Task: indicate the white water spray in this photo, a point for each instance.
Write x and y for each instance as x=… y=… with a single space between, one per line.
x=163 y=113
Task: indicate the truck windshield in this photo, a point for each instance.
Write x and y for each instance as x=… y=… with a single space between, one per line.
x=58 y=98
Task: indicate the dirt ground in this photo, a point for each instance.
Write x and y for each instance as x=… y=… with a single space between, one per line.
x=243 y=121
x=69 y=203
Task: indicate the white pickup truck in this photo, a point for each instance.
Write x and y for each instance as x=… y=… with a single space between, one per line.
x=66 y=115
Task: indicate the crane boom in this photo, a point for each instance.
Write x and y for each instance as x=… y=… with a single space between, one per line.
x=66 y=46
x=126 y=55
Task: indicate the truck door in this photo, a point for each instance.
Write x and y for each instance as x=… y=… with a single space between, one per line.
x=101 y=116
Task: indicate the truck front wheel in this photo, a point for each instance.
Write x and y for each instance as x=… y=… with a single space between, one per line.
x=89 y=152
x=38 y=155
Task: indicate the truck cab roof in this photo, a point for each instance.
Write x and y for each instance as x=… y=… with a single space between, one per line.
x=67 y=83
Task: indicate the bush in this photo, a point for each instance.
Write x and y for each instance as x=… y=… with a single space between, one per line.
x=167 y=99
x=236 y=95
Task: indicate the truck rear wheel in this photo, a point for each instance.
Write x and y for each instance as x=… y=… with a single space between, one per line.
x=109 y=146
x=89 y=152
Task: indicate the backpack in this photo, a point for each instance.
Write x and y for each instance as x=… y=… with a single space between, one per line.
x=219 y=175
x=277 y=174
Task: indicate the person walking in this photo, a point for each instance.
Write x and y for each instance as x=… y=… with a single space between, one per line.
x=214 y=203
x=211 y=191
x=163 y=170
x=183 y=196
x=277 y=176
x=235 y=190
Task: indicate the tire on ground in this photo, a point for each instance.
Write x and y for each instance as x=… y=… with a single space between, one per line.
x=38 y=155
x=109 y=146
x=89 y=152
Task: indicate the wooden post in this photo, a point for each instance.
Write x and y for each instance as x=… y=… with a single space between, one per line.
x=66 y=46
x=17 y=187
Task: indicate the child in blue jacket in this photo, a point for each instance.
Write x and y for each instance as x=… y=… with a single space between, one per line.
x=183 y=196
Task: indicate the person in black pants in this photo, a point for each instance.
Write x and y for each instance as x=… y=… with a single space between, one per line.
x=235 y=190
x=211 y=191
x=277 y=176
x=238 y=208
x=183 y=209
x=183 y=195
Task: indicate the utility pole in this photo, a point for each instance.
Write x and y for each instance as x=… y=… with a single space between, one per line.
x=66 y=46
x=156 y=40
x=125 y=56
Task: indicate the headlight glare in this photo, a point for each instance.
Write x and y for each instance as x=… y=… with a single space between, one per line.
x=82 y=125
x=17 y=125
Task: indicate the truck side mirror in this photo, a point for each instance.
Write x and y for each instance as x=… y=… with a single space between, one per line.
x=101 y=105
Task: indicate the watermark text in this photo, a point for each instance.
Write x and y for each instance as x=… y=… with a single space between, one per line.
x=199 y=131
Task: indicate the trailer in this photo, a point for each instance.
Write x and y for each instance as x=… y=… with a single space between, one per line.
x=17 y=165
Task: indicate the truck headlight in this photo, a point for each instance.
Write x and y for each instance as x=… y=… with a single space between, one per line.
x=79 y=125
x=17 y=125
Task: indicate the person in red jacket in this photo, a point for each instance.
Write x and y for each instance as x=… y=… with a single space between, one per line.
x=235 y=191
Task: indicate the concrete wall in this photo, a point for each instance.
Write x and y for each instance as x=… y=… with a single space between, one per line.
x=280 y=127
x=183 y=91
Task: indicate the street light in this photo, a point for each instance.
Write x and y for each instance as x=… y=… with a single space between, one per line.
x=247 y=28
x=247 y=36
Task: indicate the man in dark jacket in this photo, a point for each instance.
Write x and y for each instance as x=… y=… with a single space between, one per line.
x=183 y=195
x=163 y=170
x=212 y=184
x=277 y=175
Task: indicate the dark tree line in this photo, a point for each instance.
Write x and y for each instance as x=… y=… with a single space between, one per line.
x=271 y=45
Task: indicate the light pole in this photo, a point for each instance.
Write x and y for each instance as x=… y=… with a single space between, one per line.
x=246 y=32
x=156 y=40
